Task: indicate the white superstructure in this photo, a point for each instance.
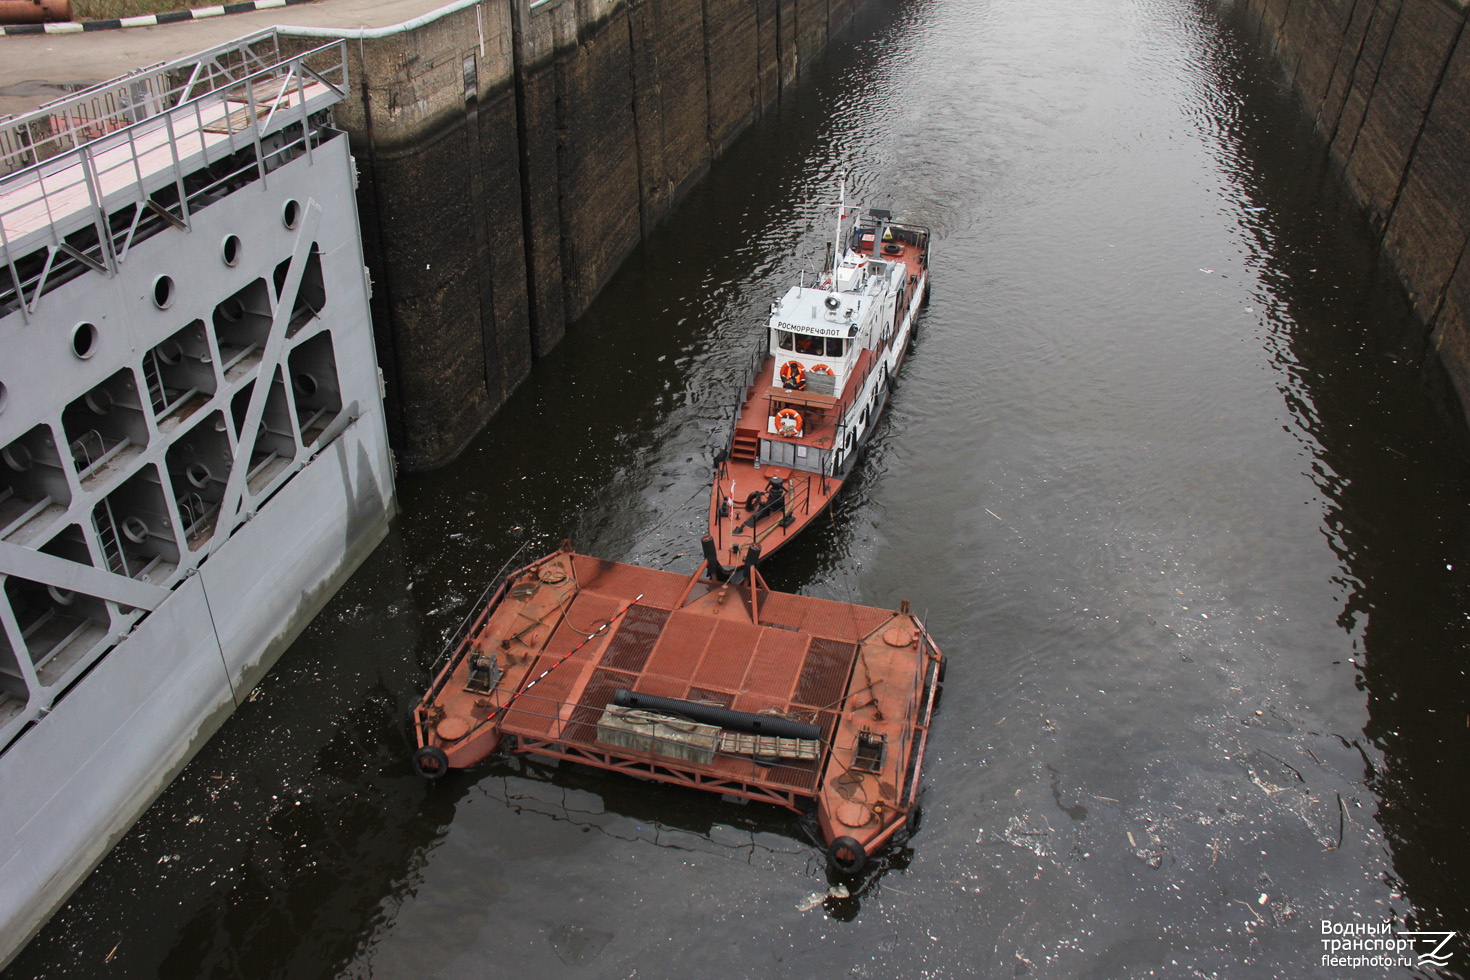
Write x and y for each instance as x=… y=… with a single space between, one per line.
x=193 y=454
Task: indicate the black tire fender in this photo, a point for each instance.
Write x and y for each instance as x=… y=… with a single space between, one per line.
x=431 y=762
x=847 y=855
x=753 y=501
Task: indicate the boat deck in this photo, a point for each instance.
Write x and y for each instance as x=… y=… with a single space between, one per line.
x=570 y=631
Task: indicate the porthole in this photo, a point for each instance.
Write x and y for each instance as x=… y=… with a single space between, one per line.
x=291 y=214
x=84 y=340
x=198 y=475
x=163 y=292
x=62 y=597
x=231 y=310
x=2 y=396
x=230 y=251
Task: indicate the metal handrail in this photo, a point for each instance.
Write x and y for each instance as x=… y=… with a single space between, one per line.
x=86 y=163
x=129 y=99
x=62 y=160
x=121 y=242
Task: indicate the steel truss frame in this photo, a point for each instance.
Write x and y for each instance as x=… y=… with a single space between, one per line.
x=662 y=772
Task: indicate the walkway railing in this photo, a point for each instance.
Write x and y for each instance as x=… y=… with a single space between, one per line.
x=83 y=178
x=69 y=122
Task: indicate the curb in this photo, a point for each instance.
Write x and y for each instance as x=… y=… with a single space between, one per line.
x=146 y=20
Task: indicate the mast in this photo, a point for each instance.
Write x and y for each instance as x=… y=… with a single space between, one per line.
x=841 y=216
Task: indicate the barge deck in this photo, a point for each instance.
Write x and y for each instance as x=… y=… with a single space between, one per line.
x=684 y=679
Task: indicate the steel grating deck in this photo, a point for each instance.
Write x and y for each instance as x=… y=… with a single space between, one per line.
x=546 y=657
x=686 y=653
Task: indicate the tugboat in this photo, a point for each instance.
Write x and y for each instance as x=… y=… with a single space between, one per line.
x=816 y=387
x=817 y=706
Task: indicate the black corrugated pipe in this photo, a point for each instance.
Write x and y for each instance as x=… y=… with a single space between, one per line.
x=735 y=721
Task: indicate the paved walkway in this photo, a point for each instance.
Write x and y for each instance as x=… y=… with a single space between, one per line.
x=33 y=68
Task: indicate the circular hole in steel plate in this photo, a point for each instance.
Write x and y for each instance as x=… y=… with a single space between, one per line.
x=84 y=340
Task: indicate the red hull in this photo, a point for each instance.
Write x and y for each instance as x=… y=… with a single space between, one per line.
x=813 y=461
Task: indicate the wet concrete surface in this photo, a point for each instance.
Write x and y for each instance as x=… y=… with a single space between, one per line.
x=1168 y=468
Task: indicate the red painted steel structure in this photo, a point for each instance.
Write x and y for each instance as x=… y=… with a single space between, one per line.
x=540 y=662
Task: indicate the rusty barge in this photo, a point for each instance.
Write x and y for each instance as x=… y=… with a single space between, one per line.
x=696 y=681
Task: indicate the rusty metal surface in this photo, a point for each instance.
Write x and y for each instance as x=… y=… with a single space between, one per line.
x=582 y=726
x=706 y=651
x=537 y=712
x=631 y=646
x=824 y=674
x=34 y=11
x=728 y=656
x=568 y=642
x=776 y=665
x=680 y=648
x=820 y=617
x=660 y=590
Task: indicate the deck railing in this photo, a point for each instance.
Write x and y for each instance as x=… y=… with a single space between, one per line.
x=458 y=643
x=84 y=178
x=798 y=499
x=68 y=123
x=747 y=378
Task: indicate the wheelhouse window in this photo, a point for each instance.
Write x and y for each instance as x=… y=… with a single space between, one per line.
x=783 y=339
x=811 y=346
x=836 y=346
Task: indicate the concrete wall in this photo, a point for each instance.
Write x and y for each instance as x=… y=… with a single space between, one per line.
x=1388 y=85
x=514 y=153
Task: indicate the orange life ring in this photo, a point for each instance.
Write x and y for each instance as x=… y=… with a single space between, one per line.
x=788 y=422
x=823 y=369
x=792 y=375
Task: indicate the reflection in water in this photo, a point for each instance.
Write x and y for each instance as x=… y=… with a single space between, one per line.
x=1169 y=472
x=1389 y=457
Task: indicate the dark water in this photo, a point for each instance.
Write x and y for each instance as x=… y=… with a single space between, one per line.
x=1168 y=469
